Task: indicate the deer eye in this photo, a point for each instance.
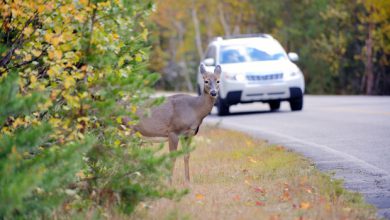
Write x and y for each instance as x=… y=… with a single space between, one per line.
x=206 y=81
x=217 y=81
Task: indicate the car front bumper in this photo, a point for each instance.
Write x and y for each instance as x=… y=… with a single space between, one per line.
x=241 y=92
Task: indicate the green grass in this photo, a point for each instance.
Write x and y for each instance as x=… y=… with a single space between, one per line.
x=237 y=177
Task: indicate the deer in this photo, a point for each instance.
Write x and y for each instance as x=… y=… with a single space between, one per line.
x=181 y=116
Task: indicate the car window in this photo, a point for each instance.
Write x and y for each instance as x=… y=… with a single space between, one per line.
x=210 y=53
x=245 y=53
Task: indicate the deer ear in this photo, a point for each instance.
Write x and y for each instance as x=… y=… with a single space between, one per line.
x=218 y=70
x=202 y=69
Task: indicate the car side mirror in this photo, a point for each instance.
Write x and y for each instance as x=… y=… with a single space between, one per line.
x=293 y=56
x=209 y=62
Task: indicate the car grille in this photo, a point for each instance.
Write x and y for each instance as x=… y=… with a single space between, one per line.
x=264 y=77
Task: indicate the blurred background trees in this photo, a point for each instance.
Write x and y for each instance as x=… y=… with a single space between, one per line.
x=343 y=45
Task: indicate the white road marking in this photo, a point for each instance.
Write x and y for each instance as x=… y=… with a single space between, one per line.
x=325 y=148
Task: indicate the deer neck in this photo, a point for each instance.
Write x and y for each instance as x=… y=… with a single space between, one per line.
x=205 y=103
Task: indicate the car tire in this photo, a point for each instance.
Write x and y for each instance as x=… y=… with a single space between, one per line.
x=274 y=105
x=222 y=107
x=296 y=104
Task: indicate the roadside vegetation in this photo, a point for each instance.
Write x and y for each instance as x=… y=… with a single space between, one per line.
x=237 y=177
x=70 y=72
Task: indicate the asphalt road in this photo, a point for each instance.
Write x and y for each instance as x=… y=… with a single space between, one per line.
x=345 y=135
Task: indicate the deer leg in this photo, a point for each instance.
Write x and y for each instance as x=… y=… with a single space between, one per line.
x=173 y=141
x=187 y=143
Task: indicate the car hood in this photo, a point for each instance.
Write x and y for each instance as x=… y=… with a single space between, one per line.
x=260 y=67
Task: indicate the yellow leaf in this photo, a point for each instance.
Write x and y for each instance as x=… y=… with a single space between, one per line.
x=138 y=57
x=80 y=174
x=54 y=122
x=27 y=31
x=48 y=37
x=17 y=122
x=28 y=57
x=41 y=8
x=14 y=151
x=79 y=17
x=51 y=54
x=80 y=135
x=304 y=205
x=138 y=134
x=68 y=82
x=51 y=72
x=119 y=120
x=115 y=36
x=133 y=109
x=84 y=2
x=252 y=160
x=55 y=41
x=55 y=54
x=145 y=34
x=64 y=9
x=33 y=79
x=117 y=142
x=36 y=53
x=199 y=196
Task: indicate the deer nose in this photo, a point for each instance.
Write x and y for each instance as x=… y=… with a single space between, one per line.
x=213 y=93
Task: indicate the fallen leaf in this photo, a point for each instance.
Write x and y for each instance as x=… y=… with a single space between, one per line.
x=259 y=190
x=304 y=205
x=252 y=160
x=237 y=197
x=347 y=209
x=199 y=196
x=285 y=196
x=259 y=203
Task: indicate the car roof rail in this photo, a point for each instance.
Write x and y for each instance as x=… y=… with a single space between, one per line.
x=233 y=36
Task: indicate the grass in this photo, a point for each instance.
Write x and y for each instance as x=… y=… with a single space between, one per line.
x=237 y=177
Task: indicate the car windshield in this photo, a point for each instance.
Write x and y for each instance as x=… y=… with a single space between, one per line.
x=246 y=53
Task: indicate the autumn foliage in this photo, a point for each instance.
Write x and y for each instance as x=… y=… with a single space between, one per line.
x=70 y=71
x=343 y=45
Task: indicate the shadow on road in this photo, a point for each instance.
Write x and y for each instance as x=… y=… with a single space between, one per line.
x=262 y=112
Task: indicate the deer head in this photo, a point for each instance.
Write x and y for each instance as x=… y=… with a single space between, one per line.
x=211 y=80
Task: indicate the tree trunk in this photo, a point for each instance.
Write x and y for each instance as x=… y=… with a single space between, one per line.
x=198 y=37
x=183 y=69
x=222 y=18
x=186 y=75
x=368 y=70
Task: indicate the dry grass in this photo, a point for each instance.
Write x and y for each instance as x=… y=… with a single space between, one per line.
x=237 y=177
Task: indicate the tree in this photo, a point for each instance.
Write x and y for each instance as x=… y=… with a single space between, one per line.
x=89 y=57
x=34 y=176
x=343 y=45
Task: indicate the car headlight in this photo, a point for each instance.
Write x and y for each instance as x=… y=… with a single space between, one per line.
x=295 y=73
x=235 y=76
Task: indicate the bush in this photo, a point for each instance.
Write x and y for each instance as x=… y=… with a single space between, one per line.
x=89 y=58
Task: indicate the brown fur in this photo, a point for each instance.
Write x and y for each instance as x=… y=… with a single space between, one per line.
x=181 y=115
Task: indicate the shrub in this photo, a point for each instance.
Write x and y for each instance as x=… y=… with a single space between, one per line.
x=89 y=58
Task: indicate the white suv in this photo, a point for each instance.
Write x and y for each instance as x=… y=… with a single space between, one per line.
x=254 y=69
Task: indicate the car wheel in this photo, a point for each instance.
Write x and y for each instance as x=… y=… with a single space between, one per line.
x=296 y=104
x=222 y=107
x=274 y=105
